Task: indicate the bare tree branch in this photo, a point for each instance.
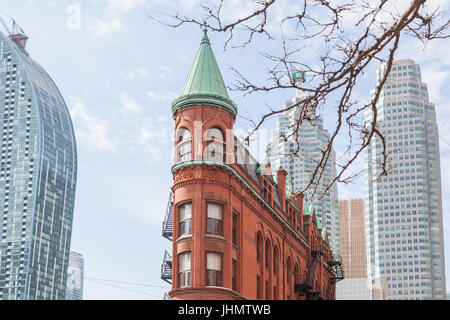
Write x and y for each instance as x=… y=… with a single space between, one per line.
x=352 y=34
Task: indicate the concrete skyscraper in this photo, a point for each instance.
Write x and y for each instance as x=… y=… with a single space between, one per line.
x=38 y=169
x=313 y=138
x=404 y=235
x=75 y=277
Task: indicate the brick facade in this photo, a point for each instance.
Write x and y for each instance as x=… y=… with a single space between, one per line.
x=287 y=236
x=237 y=233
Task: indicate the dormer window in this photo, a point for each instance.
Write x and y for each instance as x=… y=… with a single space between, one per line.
x=267 y=191
x=184 y=145
x=215 y=148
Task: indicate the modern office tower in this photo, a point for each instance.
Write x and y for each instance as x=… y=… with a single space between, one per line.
x=38 y=168
x=75 y=277
x=404 y=209
x=353 y=238
x=362 y=289
x=313 y=138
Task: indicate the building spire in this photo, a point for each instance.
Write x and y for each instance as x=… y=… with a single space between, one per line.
x=205 y=33
x=204 y=85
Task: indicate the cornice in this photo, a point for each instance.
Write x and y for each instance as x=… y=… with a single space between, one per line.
x=245 y=183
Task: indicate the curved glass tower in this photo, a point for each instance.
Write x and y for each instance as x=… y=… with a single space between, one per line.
x=38 y=169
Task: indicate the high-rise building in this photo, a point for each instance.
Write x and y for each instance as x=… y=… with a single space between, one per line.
x=236 y=232
x=38 y=168
x=404 y=236
x=362 y=289
x=300 y=167
x=75 y=277
x=353 y=238
x=356 y=285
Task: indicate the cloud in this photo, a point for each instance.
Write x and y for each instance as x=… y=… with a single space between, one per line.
x=136 y=73
x=115 y=11
x=166 y=96
x=164 y=72
x=91 y=132
x=130 y=104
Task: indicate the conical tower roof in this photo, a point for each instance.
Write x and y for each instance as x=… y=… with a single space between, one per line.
x=205 y=84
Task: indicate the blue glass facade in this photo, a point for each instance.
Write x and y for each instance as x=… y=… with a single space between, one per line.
x=38 y=169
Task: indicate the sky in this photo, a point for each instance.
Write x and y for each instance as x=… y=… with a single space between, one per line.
x=119 y=72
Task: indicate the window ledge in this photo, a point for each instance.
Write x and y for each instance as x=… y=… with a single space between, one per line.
x=214 y=237
x=184 y=237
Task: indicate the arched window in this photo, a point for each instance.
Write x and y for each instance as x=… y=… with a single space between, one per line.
x=275 y=272
x=259 y=249
x=268 y=254
x=184 y=145
x=275 y=260
x=288 y=278
x=215 y=149
x=289 y=271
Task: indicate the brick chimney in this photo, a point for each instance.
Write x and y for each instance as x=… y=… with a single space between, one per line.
x=299 y=197
x=281 y=179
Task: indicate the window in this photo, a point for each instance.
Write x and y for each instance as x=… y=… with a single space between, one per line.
x=185 y=219
x=184 y=145
x=235 y=229
x=267 y=192
x=289 y=274
x=184 y=270
x=234 y=275
x=214 y=219
x=258 y=287
x=213 y=269
x=215 y=148
x=259 y=248
x=268 y=251
x=275 y=260
x=267 y=290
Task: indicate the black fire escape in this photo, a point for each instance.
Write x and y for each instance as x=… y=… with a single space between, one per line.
x=167 y=226
x=166 y=268
x=304 y=284
x=335 y=264
x=167 y=232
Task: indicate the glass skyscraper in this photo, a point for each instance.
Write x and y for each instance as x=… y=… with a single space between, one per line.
x=75 y=277
x=313 y=138
x=38 y=169
x=404 y=236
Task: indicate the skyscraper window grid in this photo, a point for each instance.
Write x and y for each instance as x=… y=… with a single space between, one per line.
x=37 y=179
x=404 y=209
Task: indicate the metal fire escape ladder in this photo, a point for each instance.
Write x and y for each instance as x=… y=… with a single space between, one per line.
x=167 y=232
x=305 y=283
x=166 y=268
x=167 y=226
x=335 y=264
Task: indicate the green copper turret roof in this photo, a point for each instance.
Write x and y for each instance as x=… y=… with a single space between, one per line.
x=204 y=84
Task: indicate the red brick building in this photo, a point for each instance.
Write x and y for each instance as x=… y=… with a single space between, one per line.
x=237 y=233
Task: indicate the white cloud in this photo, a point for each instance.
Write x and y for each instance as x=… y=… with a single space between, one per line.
x=113 y=15
x=130 y=104
x=136 y=73
x=91 y=132
x=164 y=72
x=166 y=96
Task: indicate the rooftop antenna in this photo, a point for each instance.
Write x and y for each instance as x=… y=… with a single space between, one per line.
x=15 y=33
